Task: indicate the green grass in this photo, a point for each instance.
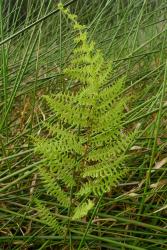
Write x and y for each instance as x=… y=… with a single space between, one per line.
x=35 y=45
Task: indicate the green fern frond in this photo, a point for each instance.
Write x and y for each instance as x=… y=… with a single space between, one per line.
x=67 y=140
x=66 y=176
x=67 y=110
x=53 y=187
x=46 y=148
x=110 y=94
x=105 y=169
x=48 y=218
x=82 y=210
x=87 y=146
x=111 y=119
x=102 y=185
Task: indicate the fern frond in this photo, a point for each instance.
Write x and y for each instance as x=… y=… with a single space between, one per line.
x=46 y=148
x=111 y=119
x=104 y=169
x=67 y=140
x=68 y=110
x=110 y=94
x=60 y=103
x=87 y=145
x=107 y=136
x=53 y=187
x=102 y=185
x=47 y=217
x=82 y=210
x=84 y=49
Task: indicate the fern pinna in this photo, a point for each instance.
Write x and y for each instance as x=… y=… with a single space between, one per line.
x=86 y=149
